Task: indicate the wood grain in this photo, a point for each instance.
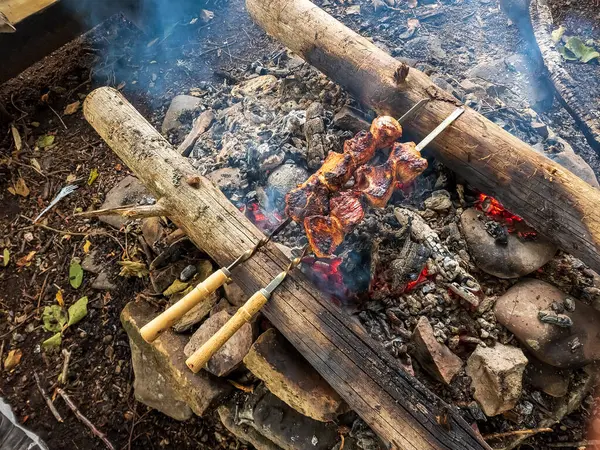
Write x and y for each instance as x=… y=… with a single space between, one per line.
x=17 y=10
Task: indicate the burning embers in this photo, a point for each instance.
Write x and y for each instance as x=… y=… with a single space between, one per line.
x=328 y=210
x=502 y=221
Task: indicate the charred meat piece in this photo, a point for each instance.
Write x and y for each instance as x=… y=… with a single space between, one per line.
x=408 y=161
x=324 y=234
x=336 y=170
x=386 y=130
x=347 y=208
x=377 y=183
x=309 y=199
x=361 y=148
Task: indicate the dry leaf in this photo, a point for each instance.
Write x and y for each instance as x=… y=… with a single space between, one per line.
x=5 y=257
x=45 y=140
x=25 y=261
x=13 y=359
x=72 y=108
x=36 y=165
x=133 y=269
x=59 y=298
x=71 y=177
x=20 y=188
x=16 y=138
x=86 y=246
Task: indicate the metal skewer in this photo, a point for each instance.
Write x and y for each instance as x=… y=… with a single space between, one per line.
x=153 y=329
x=412 y=111
x=441 y=127
x=243 y=315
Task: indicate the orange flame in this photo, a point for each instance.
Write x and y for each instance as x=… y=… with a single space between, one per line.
x=496 y=211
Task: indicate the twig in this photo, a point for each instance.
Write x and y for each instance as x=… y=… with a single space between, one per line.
x=84 y=419
x=42 y=291
x=133 y=211
x=65 y=370
x=580 y=444
x=57 y=115
x=53 y=410
x=488 y=437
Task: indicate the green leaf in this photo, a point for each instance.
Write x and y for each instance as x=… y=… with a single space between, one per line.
x=5 y=257
x=45 y=141
x=54 y=318
x=77 y=311
x=558 y=34
x=52 y=342
x=75 y=274
x=93 y=175
x=583 y=52
x=176 y=286
x=566 y=54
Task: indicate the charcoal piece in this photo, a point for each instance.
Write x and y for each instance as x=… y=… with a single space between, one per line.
x=497 y=231
x=551 y=317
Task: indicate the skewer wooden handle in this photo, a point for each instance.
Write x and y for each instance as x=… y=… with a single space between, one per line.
x=243 y=315
x=162 y=322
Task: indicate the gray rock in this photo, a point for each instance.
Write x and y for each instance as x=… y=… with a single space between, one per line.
x=244 y=432
x=425 y=46
x=153 y=231
x=350 y=119
x=442 y=83
x=469 y=86
x=152 y=389
x=103 y=282
x=194 y=315
x=561 y=152
x=439 y=201
x=515 y=259
x=548 y=379
x=285 y=178
x=227 y=178
x=231 y=354
x=570 y=347
x=161 y=279
x=497 y=377
x=235 y=294
x=91 y=262
x=179 y=105
x=128 y=191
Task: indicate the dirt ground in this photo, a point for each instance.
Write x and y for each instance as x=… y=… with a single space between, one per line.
x=150 y=73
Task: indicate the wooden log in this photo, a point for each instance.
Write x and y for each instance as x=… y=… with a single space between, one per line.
x=554 y=201
x=404 y=413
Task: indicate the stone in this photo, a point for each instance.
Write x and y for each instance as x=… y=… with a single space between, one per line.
x=180 y=105
x=350 y=119
x=548 y=379
x=153 y=231
x=439 y=201
x=517 y=258
x=162 y=278
x=285 y=178
x=194 y=315
x=426 y=47
x=469 y=86
x=244 y=432
x=128 y=191
x=235 y=294
x=223 y=305
x=434 y=357
x=561 y=152
x=497 y=377
x=231 y=354
x=540 y=128
x=166 y=355
x=255 y=87
x=151 y=388
x=103 y=282
x=91 y=262
x=570 y=347
x=227 y=178
x=292 y=379
x=442 y=83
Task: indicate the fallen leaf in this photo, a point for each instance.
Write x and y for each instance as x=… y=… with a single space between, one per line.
x=558 y=34
x=75 y=274
x=20 y=188
x=36 y=165
x=583 y=52
x=86 y=246
x=71 y=177
x=52 y=342
x=176 y=286
x=25 y=261
x=72 y=108
x=77 y=311
x=59 y=298
x=5 y=257
x=93 y=176
x=45 y=141
x=133 y=268
x=13 y=359
x=16 y=138
x=566 y=54
x=54 y=318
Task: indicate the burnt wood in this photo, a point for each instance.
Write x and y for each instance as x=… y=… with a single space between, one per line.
x=404 y=413
x=554 y=201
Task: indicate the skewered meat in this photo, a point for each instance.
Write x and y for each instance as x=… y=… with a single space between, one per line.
x=336 y=170
x=361 y=148
x=309 y=199
x=347 y=208
x=377 y=183
x=386 y=130
x=324 y=234
x=408 y=161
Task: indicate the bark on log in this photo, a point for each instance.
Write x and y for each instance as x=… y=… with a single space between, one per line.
x=554 y=201
x=401 y=410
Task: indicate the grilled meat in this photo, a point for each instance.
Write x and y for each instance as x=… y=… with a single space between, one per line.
x=324 y=234
x=336 y=170
x=347 y=208
x=377 y=183
x=309 y=199
x=408 y=161
x=385 y=130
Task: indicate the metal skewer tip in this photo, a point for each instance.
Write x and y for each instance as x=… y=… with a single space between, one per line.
x=412 y=111
x=441 y=127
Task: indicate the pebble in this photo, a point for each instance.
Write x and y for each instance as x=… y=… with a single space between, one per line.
x=179 y=105
x=350 y=119
x=515 y=259
x=187 y=273
x=107 y=339
x=564 y=347
x=439 y=201
x=103 y=283
x=285 y=178
x=128 y=191
x=227 y=178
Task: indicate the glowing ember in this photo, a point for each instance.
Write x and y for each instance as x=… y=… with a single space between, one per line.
x=327 y=275
x=422 y=278
x=266 y=222
x=494 y=210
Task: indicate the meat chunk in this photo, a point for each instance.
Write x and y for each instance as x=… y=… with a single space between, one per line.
x=408 y=161
x=347 y=208
x=324 y=234
x=360 y=148
x=309 y=199
x=386 y=130
x=377 y=183
x=336 y=170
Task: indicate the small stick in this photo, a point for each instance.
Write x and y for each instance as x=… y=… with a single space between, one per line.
x=155 y=210
x=65 y=370
x=200 y=126
x=51 y=406
x=488 y=437
x=84 y=419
